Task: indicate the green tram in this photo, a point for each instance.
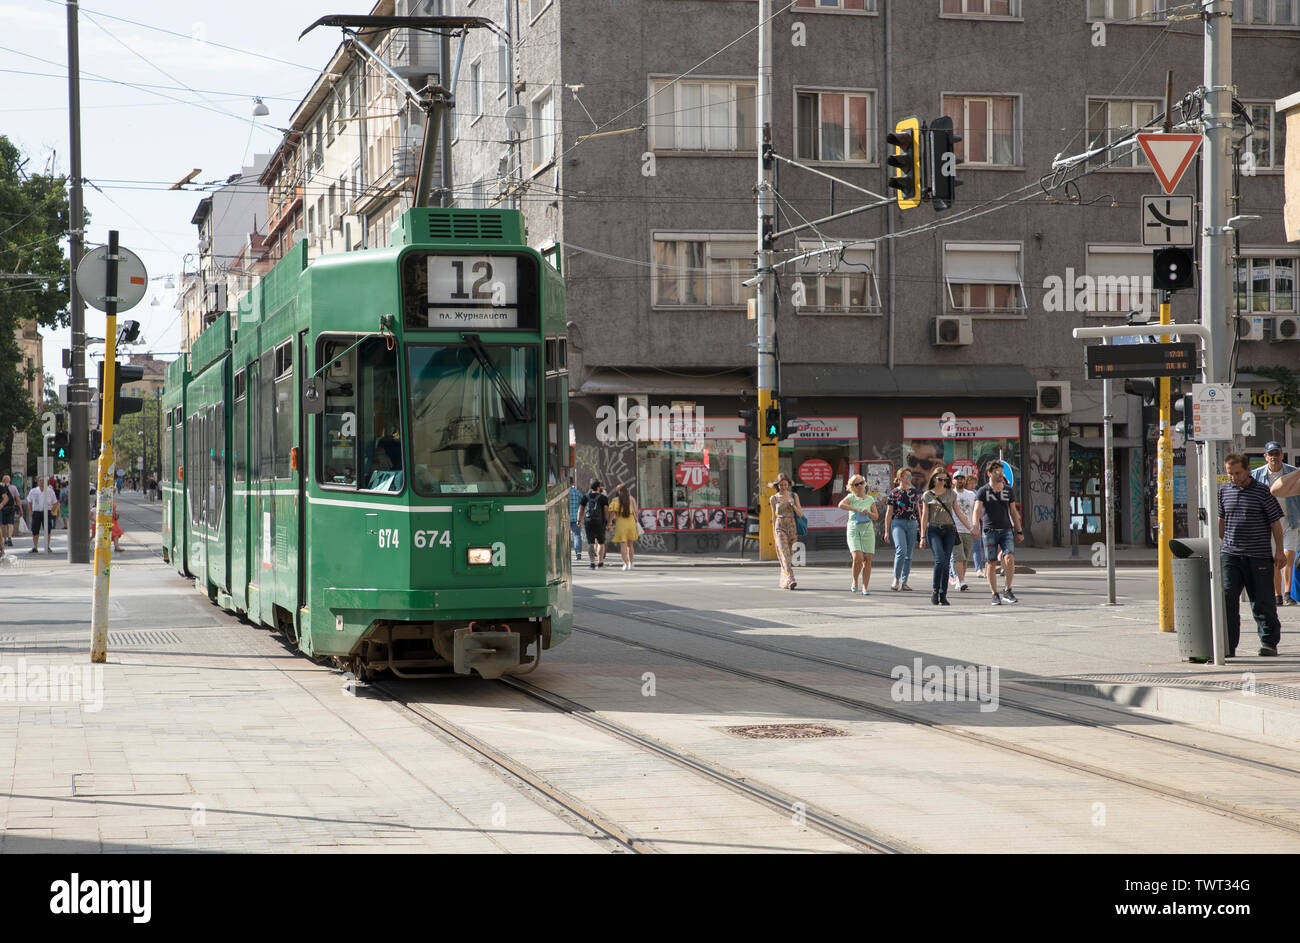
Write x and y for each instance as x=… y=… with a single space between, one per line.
x=370 y=455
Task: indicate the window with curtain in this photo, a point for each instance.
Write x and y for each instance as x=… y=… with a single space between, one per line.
x=839 y=282
x=1112 y=120
x=1266 y=13
x=988 y=126
x=1266 y=285
x=713 y=115
x=981 y=7
x=833 y=126
x=1120 y=280
x=983 y=278
x=700 y=270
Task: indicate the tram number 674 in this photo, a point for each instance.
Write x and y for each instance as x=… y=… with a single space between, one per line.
x=388 y=538
x=427 y=538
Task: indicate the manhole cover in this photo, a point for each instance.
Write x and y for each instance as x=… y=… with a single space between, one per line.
x=784 y=731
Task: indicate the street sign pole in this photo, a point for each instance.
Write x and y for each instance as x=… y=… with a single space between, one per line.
x=103 y=499
x=1108 y=450
x=1164 y=490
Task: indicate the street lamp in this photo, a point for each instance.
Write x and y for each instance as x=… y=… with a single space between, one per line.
x=259 y=108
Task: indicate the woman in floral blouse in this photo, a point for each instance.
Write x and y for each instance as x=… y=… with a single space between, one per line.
x=901 y=526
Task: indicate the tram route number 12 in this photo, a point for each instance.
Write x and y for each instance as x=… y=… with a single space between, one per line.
x=478 y=267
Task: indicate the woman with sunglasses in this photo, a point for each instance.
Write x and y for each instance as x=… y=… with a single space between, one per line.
x=862 y=530
x=939 y=515
x=900 y=526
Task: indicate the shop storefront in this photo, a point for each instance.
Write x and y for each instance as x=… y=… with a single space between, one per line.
x=967 y=442
x=819 y=458
x=694 y=479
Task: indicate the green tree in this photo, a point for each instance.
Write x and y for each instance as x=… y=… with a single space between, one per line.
x=34 y=218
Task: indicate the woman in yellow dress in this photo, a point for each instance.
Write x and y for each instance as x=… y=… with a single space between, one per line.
x=622 y=524
x=785 y=508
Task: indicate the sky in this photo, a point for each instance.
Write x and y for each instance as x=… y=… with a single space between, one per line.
x=204 y=63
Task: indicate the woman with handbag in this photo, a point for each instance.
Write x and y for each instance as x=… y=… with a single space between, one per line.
x=939 y=515
x=623 y=524
x=788 y=524
x=862 y=530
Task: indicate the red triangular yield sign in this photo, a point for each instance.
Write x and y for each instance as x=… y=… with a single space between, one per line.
x=1169 y=155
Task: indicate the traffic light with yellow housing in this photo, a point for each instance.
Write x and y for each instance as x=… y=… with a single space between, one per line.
x=906 y=161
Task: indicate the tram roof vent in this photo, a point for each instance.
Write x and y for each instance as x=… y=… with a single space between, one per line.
x=440 y=225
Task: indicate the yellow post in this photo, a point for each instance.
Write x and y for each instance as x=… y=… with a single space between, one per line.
x=1164 y=492
x=769 y=464
x=103 y=496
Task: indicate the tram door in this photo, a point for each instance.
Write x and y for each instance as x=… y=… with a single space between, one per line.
x=300 y=475
x=261 y=502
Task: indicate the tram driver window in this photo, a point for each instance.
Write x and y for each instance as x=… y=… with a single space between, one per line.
x=361 y=425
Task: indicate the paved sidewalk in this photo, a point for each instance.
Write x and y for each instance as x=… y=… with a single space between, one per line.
x=1025 y=557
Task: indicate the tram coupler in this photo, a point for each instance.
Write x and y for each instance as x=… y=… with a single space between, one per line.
x=491 y=654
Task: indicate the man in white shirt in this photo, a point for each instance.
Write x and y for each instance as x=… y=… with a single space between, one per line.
x=965 y=542
x=42 y=499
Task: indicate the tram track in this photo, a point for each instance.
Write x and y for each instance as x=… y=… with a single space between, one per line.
x=1169 y=793
x=855 y=837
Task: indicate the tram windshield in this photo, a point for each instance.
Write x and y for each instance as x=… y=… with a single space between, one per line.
x=474 y=422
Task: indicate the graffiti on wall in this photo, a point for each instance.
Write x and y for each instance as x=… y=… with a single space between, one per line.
x=1136 y=499
x=1042 y=490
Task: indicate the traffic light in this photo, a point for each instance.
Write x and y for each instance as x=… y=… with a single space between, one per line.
x=1181 y=419
x=60 y=442
x=789 y=414
x=95 y=443
x=943 y=163
x=748 y=423
x=123 y=373
x=906 y=160
x=1143 y=388
x=772 y=422
x=1171 y=269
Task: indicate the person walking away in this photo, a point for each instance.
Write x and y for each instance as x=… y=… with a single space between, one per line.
x=1249 y=517
x=939 y=516
x=15 y=507
x=6 y=515
x=622 y=524
x=901 y=526
x=863 y=514
x=54 y=514
x=1268 y=475
x=995 y=507
x=42 y=500
x=595 y=505
x=575 y=528
x=964 y=548
x=785 y=509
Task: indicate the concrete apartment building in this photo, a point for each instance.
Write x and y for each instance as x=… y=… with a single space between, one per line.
x=959 y=350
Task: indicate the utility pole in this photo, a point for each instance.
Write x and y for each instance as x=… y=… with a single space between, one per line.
x=1165 y=445
x=78 y=393
x=1108 y=494
x=1216 y=271
x=768 y=458
x=103 y=491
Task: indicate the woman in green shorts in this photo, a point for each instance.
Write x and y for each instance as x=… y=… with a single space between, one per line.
x=862 y=530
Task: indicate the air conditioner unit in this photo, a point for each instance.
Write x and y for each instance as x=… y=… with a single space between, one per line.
x=1286 y=329
x=953 y=331
x=1053 y=398
x=1250 y=328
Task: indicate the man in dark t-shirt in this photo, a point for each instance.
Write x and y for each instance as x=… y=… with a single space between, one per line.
x=995 y=505
x=1250 y=525
x=594 y=506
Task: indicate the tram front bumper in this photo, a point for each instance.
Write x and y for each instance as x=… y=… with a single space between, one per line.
x=441 y=604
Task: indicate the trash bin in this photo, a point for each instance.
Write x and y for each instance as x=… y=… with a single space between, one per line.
x=1191 y=575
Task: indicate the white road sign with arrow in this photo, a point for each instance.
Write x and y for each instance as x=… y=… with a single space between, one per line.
x=1167 y=221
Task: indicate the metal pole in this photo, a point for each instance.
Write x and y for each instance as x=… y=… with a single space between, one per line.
x=768 y=457
x=157 y=428
x=1164 y=491
x=103 y=498
x=1108 y=448
x=1216 y=270
x=78 y=392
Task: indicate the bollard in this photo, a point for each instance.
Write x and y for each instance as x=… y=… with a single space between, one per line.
x=1074 y=543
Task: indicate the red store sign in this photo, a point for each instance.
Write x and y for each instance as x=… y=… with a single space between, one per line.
x=692 y=474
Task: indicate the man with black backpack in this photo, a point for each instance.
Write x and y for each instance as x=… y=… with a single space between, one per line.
x=595 y=504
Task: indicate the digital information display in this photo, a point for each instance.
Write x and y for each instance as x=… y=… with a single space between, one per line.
x=473 y=291
x=1121 y=361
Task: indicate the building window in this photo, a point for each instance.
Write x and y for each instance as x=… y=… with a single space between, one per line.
x=503 y=66
x=988 y=128
x=842 y=282
x=543 y=130
x=694 y=270
x=1268 y=137
x=1266 y=285
x=1118 y=281
x=1266 y=13
x=983 y=277
x=552 y=255
x=1127 y=10
x=1113 y=120
x=833 y=126
x=848 y=6
x=981 y=7
x=329 y=121
x=474 y=90
x=716 y=115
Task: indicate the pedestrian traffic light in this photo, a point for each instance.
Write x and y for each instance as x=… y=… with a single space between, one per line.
x=94 y=443
x=749 y=423
x=122 y=405
x=1182 y=417
x=943 y=163
x=1171 y=269
x=60 y=442
x=906 y=161
x=772 y=423
x=1143 y=388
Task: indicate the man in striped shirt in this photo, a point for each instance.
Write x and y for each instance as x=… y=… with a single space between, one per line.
x=1250 y=528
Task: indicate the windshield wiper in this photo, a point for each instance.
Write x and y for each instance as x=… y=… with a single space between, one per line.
x=516 y=408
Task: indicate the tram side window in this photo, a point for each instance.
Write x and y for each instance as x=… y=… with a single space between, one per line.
x=217 y=464
x=362 y=422
x=266 y=437
x=239 y=427
x=283 y=408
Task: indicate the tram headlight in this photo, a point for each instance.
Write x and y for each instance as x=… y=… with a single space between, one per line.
x=480 y=556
